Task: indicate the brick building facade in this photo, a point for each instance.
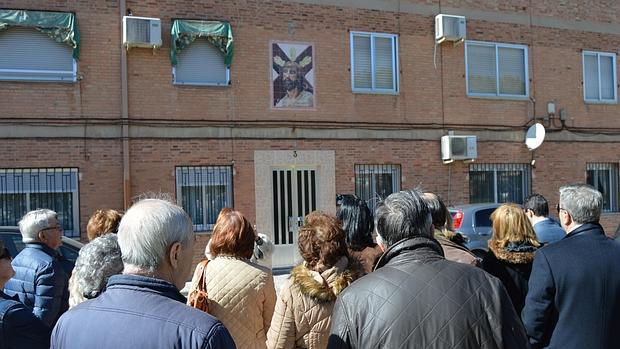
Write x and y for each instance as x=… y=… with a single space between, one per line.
x=80 y=125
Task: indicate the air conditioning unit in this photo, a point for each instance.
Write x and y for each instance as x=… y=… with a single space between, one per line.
x=141 y=32
x=458 y=148
x=449 y=28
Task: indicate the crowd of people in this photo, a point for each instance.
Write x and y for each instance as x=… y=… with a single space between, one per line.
x=396 y=277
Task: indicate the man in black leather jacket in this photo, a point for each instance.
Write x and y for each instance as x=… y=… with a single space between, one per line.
x=415 y=298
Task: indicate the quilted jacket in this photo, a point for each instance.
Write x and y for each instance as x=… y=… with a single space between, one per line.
x=417 y=299
x=242 y=295
x=302 y=317
x=40 y=282
x=453 y=251
x=19 y=327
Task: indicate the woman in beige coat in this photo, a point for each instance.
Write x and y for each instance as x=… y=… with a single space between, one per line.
x=302 y=317
x=241 y=294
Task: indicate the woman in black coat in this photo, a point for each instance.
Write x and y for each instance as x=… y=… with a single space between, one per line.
x=511 y=251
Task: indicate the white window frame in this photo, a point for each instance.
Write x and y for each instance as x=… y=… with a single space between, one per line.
x=175 y=82
x=395 y=64
x=10 y=188
x=598 y=55
x=40 y=75
x=205 y=226
x=497 y=94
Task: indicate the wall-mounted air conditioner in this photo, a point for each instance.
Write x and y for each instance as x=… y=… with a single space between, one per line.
x=458 y=148
x=141 y=32
x=449 y=28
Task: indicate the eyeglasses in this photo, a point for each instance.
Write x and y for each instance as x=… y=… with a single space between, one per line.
x=58 y=227
x=558 y=208
x=5 y=254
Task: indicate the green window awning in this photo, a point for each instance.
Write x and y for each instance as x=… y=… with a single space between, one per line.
x=60 y=26
x=184 y=32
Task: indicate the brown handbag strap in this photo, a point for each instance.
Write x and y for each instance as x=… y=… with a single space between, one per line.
x=200 y=270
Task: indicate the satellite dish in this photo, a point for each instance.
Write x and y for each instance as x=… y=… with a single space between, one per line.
x=535 y=136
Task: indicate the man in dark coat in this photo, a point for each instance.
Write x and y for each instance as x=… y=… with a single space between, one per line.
x=142 y=308
x=40 y=282
x=415 y=298
x=574 y=289
x=537 y=210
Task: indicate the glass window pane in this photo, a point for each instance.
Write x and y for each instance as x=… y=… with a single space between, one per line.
x=591 y=76
x=482 y=76
x=481 y=187
x=607 y=78
x=510 y=186
x=361 y=62
x=191 y=201
x=375 y=182
x=12 y=208
x=384 y=67
x=511 y=71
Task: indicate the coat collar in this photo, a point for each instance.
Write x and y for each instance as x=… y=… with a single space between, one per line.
x=43 y=247
x=514 y=257
x=325 y=286
x=586 y=228
x=3 y=295
x=420 y=244
x=159 y=286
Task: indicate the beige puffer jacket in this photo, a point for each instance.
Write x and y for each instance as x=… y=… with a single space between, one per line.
x=302 y=318
x=241 y=295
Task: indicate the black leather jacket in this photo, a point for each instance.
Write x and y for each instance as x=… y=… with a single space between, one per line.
x=417 y=299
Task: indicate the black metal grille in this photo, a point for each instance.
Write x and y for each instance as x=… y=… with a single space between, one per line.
x=604 y=177
x=203 y=191
x=294 y=196
x=374 y=183
x=499 y=182
x=23 y=190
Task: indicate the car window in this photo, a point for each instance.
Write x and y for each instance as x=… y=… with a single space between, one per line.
x=483 y=218
x=69 y=252
x=17 y=241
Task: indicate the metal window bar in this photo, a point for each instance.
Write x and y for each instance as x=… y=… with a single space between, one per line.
x=499 y=182
x=604 y=177
x=374 y=183
x=203 y=191
x=23 y=190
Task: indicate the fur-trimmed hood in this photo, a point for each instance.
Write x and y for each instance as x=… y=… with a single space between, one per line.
x=325 y=286
x=511 y=256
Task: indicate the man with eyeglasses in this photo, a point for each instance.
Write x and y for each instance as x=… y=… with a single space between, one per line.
x=573 y=299
x=40 y=281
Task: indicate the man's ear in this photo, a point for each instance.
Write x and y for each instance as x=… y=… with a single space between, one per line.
x=175 y=254
x=41 y=236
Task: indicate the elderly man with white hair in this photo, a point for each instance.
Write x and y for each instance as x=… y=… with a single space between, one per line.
x=40 y=281
x=142 y=307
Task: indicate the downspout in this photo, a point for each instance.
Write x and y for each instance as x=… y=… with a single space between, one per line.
x=124 y=116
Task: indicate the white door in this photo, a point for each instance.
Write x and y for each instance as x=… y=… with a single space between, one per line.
x=294 y=196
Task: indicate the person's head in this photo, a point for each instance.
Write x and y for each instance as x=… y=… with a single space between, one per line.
x=103 y=222
x=291 y=76
x=439 y=211
x=579 y=204
x=510 y=224
x=6 y=269
x=536 y=205
x=357 y=221
x=156 y=238
x=321 y=241
x=98 y=260
x=41 y=226
x=403 y=215
x=233 y=235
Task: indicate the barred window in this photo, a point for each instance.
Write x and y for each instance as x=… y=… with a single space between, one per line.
x=375 y=182
x=203 y=191
x=499 y=182
x=23 y=190
x=604 y=177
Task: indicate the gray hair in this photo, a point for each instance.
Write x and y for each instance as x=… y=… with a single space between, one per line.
x=403 y=215
x=98 y=260
x=33 y=222
x=148 y=229
x=582 y=201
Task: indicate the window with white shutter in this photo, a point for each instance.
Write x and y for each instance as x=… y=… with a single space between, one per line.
x=29 y=55
x=599 y=77
x=374 y=62
x=496 y=70
x=201 y=63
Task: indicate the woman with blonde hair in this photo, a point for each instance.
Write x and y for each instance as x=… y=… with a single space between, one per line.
x=241 y=294
x=511 y=251
x=302 y=318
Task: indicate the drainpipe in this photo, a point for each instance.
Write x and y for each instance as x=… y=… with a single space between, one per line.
x=124 y=116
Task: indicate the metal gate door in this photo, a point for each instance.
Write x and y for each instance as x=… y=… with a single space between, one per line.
x=294 y=196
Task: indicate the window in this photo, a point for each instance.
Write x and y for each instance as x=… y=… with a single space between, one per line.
x=496 y=70
x=375 y=182
x=499 y=182
x=203 y=191
x=201 y=63
x=374 y=62
x=23 y=190
x=599 y=77
x=604 y=177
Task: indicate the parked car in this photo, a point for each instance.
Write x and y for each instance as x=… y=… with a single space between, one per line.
x=474 y=222
x=69 y=250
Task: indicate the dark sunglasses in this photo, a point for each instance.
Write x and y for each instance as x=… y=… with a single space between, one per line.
x=5 y=254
